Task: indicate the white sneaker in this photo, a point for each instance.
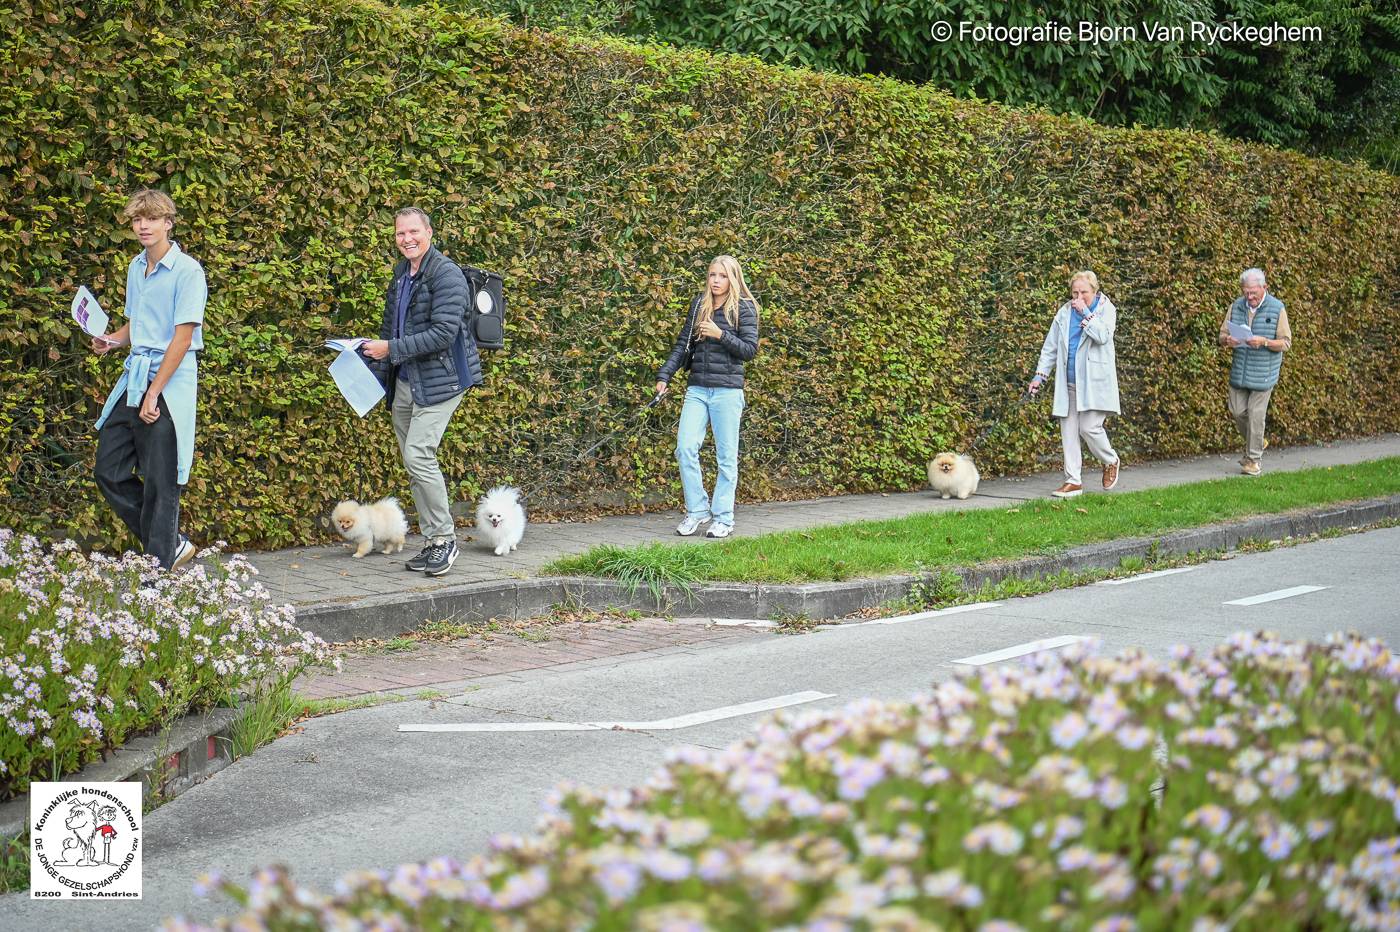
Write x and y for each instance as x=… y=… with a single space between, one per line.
x=184 y=554
x=720 y=530
x=690 y=525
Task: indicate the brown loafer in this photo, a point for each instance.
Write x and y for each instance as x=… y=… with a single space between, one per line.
x=1110 y=476
x=1068 y=490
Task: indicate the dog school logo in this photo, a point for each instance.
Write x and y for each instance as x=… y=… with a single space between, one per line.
x=85 y=841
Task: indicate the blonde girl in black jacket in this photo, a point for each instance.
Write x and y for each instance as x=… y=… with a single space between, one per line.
x=719 y=336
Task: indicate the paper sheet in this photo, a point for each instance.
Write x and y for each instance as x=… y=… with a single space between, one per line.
x=88 y=314
x=356 y=383
x=346 y=343
x=1239 y=331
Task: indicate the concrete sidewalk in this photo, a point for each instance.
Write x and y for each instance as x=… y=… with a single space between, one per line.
x=326 y=581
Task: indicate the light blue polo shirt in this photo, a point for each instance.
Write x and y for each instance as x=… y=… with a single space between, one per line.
x=175 y=293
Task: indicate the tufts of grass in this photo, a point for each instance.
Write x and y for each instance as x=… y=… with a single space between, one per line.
x=795 y=622
x=269 y=714
x=445 y=630
x=653 y=566
x=274 y=711
x=14 y=864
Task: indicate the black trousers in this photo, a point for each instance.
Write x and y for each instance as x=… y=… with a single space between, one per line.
x=137 y=465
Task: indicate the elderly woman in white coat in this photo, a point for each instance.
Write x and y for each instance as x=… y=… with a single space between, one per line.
x=1079 y=351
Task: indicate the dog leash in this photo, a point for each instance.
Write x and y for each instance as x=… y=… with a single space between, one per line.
x=568 y=466
x=655 y=400
x=1026 y=395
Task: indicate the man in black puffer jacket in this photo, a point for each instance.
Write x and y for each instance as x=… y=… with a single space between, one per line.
x=426 y=357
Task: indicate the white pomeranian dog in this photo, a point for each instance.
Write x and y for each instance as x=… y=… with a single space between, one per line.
x=500 y=519
x=951 y=474
x=368 y=526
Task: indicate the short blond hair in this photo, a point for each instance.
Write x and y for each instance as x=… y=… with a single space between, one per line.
x=415 y=212
x=1084 y=275
x=149 y=204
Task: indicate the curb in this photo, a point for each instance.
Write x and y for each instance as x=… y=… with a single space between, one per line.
x=391 y=615
x=167 y=764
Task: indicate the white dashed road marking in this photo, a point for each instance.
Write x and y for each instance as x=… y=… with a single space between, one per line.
x=917 y=616
x=1020 y=650
x=1276 y=595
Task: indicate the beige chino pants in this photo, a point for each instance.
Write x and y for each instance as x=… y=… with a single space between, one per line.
x=419 y=430
x=1249 y=409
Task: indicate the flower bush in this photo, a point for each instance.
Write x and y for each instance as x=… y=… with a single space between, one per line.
x=1251 y=787
x=95 y=649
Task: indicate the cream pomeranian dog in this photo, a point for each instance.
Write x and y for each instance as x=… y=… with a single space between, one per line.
x=951 y=474
x=367 y=526
x=500 y=519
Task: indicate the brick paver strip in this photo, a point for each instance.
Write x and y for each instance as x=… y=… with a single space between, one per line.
x=434 y=662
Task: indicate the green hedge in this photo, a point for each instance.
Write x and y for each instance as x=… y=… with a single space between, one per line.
x=909 y=250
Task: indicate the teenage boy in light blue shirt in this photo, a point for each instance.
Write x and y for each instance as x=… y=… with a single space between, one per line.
x=145 y=439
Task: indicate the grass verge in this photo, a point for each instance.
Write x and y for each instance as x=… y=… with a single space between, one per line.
x=953 y=538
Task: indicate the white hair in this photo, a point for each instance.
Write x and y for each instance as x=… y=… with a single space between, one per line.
x=1087 y=276
x=1252 y=275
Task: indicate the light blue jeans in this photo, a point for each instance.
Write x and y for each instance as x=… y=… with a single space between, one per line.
x=721 y=409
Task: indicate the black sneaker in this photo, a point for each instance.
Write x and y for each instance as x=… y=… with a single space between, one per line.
x=440 y=558
x=419 y=563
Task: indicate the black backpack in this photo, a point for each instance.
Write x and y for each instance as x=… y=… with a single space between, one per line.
x=487 y=307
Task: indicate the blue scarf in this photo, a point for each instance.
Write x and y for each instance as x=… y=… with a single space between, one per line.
x=1076 y=333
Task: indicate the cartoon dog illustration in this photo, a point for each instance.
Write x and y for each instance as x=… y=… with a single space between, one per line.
x=82 y=822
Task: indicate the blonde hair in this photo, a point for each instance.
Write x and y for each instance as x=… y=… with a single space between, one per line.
x=737 y=289
x=149 y=204
x=1084 y=275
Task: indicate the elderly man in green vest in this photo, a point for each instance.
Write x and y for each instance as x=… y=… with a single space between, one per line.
x=1255 y=367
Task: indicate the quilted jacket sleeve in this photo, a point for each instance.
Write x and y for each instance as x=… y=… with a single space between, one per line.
x=678 y=352
x=743 y=343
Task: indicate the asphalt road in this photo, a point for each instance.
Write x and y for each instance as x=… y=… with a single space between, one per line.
x=353 y=791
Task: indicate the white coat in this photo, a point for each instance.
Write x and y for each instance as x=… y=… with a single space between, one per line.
x=1095 y=365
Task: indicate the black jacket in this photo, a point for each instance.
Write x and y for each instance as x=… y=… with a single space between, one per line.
x=443 y=351
x=715 y=363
